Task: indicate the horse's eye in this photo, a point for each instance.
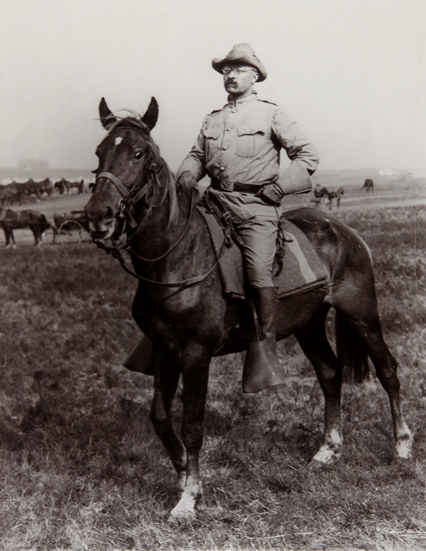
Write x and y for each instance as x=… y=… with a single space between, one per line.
x=138 y=154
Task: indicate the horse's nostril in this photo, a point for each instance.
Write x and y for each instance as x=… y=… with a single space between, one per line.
x=107 y=213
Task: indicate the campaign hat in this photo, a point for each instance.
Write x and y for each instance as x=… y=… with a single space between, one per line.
x=241 y=54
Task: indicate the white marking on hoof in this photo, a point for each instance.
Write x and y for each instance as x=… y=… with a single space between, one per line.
x=185 y=508
x=404 y=447
x=331 y=450
x=182 y=512
x=326 y=455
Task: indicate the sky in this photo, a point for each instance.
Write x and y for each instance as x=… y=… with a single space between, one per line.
x=352 y=72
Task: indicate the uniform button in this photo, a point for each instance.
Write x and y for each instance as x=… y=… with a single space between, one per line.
x=228 y=129
x=225 y=147
x=222 y=168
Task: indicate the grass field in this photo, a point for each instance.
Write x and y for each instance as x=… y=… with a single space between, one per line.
x=82 y=469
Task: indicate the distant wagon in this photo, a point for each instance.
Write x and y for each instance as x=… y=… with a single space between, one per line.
x=73 y=227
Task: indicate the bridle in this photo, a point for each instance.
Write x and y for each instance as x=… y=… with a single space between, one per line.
x=128 y=225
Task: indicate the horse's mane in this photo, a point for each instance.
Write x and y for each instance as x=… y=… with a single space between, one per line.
x=165 y=175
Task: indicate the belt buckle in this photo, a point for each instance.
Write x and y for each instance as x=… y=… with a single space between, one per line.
x=226 y=185
x=227 y=218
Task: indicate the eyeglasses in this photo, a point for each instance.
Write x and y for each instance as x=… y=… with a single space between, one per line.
x=237 y=70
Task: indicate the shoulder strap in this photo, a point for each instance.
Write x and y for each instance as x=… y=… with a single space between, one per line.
x=214 y=205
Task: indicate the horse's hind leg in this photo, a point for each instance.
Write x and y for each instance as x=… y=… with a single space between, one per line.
x=368 y=328
x=314 y=343
x=356 y=305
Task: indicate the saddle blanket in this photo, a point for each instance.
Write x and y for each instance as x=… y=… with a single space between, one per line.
x=302 y=268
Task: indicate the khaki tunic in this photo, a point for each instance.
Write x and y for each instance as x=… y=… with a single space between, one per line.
x=241 y=143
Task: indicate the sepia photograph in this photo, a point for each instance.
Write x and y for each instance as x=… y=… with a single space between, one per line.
x=212 y=275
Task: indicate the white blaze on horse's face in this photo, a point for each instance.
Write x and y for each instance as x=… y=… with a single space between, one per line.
x=118 y=140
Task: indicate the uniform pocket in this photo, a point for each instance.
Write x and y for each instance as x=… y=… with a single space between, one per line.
x=211 y=135
x=249 y=141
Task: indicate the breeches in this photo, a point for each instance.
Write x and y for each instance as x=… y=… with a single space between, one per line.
x=257 y=225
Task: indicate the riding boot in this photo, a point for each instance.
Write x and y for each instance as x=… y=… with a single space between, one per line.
x=141 y=358
x=262 y=367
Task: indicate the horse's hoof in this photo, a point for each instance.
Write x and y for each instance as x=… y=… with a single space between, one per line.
x=326 y=455
x=404 y=448
x=179 y=517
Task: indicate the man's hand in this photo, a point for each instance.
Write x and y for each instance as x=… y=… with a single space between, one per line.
x=271 y=194
x=187 y=180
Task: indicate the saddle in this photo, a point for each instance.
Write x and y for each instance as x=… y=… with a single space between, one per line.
x=297 y=265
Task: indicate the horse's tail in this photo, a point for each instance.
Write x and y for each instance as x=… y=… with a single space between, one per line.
x=351 y=351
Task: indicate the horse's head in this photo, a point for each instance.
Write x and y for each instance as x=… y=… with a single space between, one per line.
x=127 y=156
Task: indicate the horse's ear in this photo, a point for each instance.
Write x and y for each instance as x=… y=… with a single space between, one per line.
x=107 y=118
x=151 y=114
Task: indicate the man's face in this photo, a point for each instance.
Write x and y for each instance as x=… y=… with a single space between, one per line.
x=238 y=80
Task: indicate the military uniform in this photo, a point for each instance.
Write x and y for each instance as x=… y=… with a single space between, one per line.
x=240 y=144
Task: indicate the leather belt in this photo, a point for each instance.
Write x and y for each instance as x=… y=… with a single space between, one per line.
x=226 y=185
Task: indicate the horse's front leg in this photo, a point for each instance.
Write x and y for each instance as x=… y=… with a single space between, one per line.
x=10 y=239
x=195 y=373
x=166 y=379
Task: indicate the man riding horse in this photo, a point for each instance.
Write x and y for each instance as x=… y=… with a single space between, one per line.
x=239 y=148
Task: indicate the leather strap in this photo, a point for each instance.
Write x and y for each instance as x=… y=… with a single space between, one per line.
x=226 y=186
x=122 y=190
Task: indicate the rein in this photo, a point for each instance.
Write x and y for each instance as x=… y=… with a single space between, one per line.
x=116 y=253
x=123 y=242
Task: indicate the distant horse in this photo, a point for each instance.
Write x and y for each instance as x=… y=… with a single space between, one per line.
x=67 y=185
x=181 y=306
x=14 y=193
x=368 y=185
x=14 y=220
x=334 y=198
x=59 y=186
x=38 y=188
x=320 y=196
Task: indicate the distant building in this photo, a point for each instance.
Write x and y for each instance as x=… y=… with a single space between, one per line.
x=33 y=165
x=417 y=174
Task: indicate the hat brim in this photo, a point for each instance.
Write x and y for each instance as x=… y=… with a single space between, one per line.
x=218 y=65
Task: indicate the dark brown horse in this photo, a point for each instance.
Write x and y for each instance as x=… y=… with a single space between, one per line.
x=319 y=196
x=67 y=185
x=334 y=197
x=38 y=188
x=59 y=186
x=368 y=185
x=15 y=220
x=14 y=193
x=181 y=306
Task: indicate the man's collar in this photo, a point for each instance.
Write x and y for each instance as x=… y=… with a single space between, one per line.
x=248 y=99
